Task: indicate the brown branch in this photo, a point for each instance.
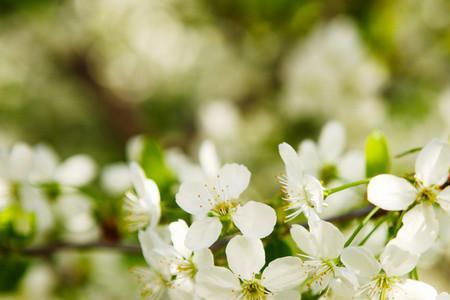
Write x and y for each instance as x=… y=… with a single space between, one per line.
x=50 y=249
x=135 y=249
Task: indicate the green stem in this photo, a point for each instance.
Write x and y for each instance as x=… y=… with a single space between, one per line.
x=361 y=225
x=377 y=224
x=410 y=151
x=346 y=186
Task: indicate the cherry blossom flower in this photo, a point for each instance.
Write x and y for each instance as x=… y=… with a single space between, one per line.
x=384 y=278
x=322 y=245
x=420 y=225
x=173 y=267
x=246 y=257
x=143 y=208
x=216 y=200
x=303 y=192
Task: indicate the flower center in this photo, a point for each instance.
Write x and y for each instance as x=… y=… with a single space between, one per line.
x=426 y=194
x=379 y=287
x=327 y=173
x=187 y=268
x=224 y=208
x=253 y=290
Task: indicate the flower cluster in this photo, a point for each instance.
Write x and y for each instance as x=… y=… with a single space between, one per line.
x=227 y=250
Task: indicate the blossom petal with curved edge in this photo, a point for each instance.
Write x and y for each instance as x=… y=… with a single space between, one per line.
x=255 y=219
x=19 y=162
x=283 y=274
x=77 y=170
x=305 y=240
x=332 y=141
x=443 y=296
x=156 y=252
x=391 y=192
x=176 y=293
x=344 y=285
x=360 y=261
x=208 y=158
x=245 y=256
x=194 y=198
x=396 y=261
x=352 y=166
x=433 y=162
x=232 y=180
x=178 y=231
x=203 y=233
x=409 y=289
x=328 y=237
x=203 y=258
x=309 y=157
x=45 y=162
x=217 y=283
x=285 y=295
x=443 y=198
x=292 y=163
x=420 y=229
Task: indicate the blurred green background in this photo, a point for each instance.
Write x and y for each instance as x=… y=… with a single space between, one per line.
x=85 y=76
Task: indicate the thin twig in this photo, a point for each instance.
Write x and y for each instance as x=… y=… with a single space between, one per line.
x=50 y=249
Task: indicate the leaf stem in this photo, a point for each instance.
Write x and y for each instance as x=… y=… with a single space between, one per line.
x=410 y=151
x=361 y=225
x=377 y=224
x=345 y=186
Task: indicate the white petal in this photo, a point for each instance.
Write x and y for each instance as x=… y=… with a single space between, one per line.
x=360 y=261
x=409 y=289
x=217 y=283
x=203 y=258
x=285 y=295
x=234 y=179
x=332 y=141
x=352 y=166
x=45 y=162
x=328 y=237
x=116 y=178
x=283 y=274
x=443 y=198
x=155 y=251
x=309 y=157
x=305 y=240
x=390 y=192
x=397 y=262
x=245 y=256
x=20 y=161
x=420 y=229
x=433 y=162
x=77 y=170
x=443 y=296
x=203 y=233
x=292 y=163
x=193 y=197
x=178 y=231
x=255 y=219
x=315 y=191
x=208 y=158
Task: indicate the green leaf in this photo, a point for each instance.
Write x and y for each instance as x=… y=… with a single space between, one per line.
x=277 y=248
x=153 y=162
x=11 y=272
x=378 y=160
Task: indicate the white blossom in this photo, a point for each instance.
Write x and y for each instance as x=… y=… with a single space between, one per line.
x=303 y=192
x=216 y=200
x=420 y=225
x=246 y=257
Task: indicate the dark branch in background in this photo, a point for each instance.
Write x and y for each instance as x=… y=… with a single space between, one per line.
x=135 y=249
x=50 y=249
x=121 y=116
